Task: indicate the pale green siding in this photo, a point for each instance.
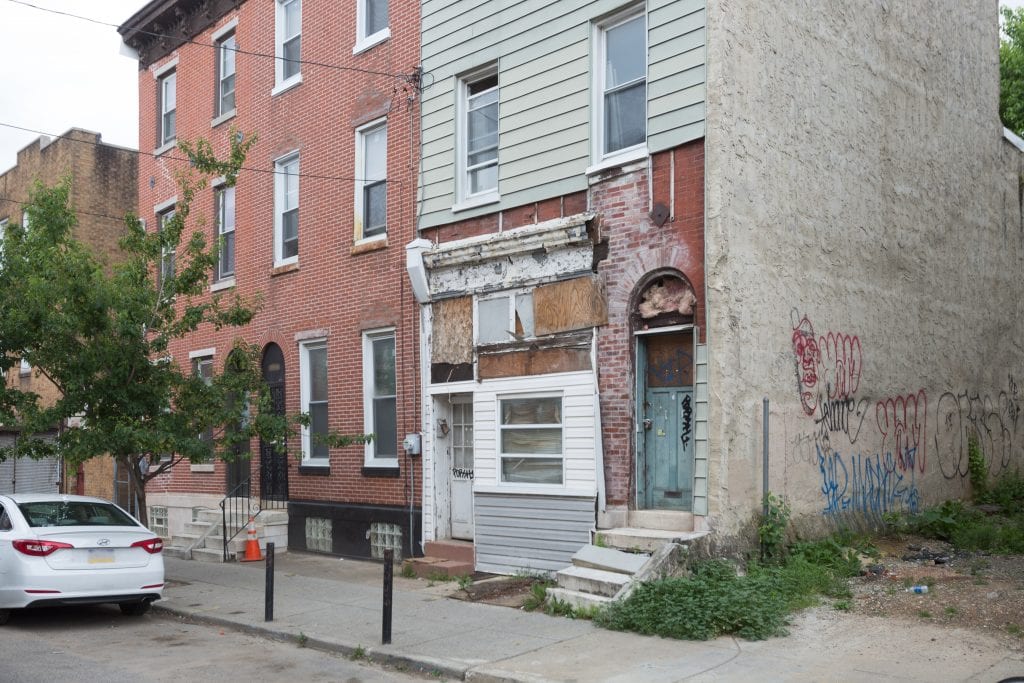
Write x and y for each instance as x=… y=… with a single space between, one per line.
x=544 y=52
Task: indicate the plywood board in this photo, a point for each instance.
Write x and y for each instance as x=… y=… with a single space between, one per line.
x=452 y=339
x=533 y=362
x=570 y=305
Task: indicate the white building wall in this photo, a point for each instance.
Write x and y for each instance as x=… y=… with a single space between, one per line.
x=859 y=185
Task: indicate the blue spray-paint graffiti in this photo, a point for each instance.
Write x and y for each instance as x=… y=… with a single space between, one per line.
x=867 y=484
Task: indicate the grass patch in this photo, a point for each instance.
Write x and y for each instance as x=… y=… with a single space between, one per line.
x=924 y=614
x=715 y=600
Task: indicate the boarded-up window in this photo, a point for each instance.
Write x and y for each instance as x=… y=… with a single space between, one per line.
x=570 y=305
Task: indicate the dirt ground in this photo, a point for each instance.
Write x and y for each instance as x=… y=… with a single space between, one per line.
x=973 y=591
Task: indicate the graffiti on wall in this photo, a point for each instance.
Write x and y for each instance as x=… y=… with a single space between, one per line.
x=875 y=466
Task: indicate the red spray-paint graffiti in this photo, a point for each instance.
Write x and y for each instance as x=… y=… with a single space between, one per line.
x=903 y=423
x=808 y=357
x=842 y=363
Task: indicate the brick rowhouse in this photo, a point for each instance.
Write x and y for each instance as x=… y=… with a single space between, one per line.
x=341 y=285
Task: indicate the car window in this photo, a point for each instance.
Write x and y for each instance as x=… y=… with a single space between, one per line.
x=74 y=513
x=5 y=520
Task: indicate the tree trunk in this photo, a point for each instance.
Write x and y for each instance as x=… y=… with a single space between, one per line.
x=136 y=488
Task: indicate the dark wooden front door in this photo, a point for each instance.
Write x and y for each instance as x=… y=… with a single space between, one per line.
x=274 y=457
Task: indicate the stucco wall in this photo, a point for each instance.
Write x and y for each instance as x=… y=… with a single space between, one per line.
x=858 y=185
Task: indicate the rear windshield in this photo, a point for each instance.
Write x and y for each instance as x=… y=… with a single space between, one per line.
x=74 y=513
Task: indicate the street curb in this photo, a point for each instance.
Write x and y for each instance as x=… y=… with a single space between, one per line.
x=425 y=664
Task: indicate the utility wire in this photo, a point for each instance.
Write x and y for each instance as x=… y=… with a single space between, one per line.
x=77 y=211
x=170 y=157
x=405 y=77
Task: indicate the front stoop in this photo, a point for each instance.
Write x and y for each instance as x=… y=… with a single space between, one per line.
x=446 y=557
x=645 y=540
x=203 y=539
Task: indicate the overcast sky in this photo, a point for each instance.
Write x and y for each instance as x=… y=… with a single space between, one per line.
x=57 y=72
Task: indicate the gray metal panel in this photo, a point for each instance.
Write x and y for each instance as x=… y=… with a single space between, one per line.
x=700 y=441
x=520 y=532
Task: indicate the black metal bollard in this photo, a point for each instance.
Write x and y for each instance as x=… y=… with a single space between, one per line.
x=389 y=558
x=268 y=610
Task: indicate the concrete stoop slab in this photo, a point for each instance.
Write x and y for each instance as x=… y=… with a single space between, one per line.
x=426 y=567
x=451 y=549
x=593 y=581
x=578 y=599
x=609 y=559
x=646 y=540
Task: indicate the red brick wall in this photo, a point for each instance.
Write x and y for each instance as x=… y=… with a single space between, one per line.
x=637 y=247
x=333 y=289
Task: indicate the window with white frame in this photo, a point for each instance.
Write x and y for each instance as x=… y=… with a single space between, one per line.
x=621 y=78
x=286 y=209
x=288 y=46
x=227 y=47
x=313 y=388
x=371 y=201
x=504 y=317
x=226 y=231
x=167 y=89
x=25 y=367
x=380 y=408
x=202 y=367
x=371 y=23
x=530 y=439
x=167 y=251
x=478 y=135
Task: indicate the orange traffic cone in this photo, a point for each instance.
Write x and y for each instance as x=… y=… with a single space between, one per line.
x=252 y=546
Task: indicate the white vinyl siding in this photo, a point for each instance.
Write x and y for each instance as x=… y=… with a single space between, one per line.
x=578 y=443
x=544 y=53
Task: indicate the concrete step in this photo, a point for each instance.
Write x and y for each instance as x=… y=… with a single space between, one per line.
x=428 y=566
x=661 y=519
x=451 y=549
x=609 y=559
x=645 y=540
x=593 y=581
x=577 y=599
x=180 y=552
x=208 y=554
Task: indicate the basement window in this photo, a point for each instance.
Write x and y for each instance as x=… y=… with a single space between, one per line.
x=319 y=534
x=158 y=520
x=384 y=536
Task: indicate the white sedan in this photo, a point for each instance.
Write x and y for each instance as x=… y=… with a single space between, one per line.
x=75 y=550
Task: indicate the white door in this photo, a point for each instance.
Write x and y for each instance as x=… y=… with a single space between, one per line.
x=460 y=472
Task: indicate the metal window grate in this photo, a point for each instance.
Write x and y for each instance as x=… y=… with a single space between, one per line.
x=384 y=536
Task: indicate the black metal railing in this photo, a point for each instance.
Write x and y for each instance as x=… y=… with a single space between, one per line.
x=238 y=506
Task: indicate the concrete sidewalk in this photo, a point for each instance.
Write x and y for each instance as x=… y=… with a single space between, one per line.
x=336 y=605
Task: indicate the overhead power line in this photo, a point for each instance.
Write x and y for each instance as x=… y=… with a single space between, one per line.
x=406 y=77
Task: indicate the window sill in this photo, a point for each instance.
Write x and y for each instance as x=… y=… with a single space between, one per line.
x=314 y=469
x=201 y=468
x=226 y=283
x=374 y=243
x=619 y=161
x=474 y=202
x=166 y=147
x=284 y=86
x=226 y=116
x=284 y=268
x=369 y=41
x=382 y=472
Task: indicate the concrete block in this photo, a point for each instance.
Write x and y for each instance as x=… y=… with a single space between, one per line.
x=450 y=549
x=608 y=559
x=646 y=540
x=577 y=599
x=594 y=581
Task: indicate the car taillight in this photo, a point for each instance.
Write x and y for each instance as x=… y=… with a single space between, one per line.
x=150 y=545
x=38 y=548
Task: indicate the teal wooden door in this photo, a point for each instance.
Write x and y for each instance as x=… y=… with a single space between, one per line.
x=666 y=424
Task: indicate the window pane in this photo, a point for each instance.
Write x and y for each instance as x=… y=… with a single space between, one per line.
x=318 y=428
x=531 y=470
x=169 y=127
x=385 y=443
x=290 y=52
x=290 y=234
x=375 y=209
x=227 y=210
x=524 y=315
x=376 y=16
x=625 y=54
x=493 y=320
x=227 y=57
x=483 y=128
x=625 y=113
x=384 y=366
x=227 y=94
x=483 y=179
x=227 y=255
x=170 y=95
x=522 y=411
x=375 y=154
x=292 y=18
x=317 y=357
x=547 y=440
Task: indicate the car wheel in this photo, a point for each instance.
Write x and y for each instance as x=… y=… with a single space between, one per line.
x=5 y=614
x=134 y=609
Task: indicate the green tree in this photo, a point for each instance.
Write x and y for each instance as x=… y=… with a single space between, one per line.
x=100 y=332
x=1011 y=69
